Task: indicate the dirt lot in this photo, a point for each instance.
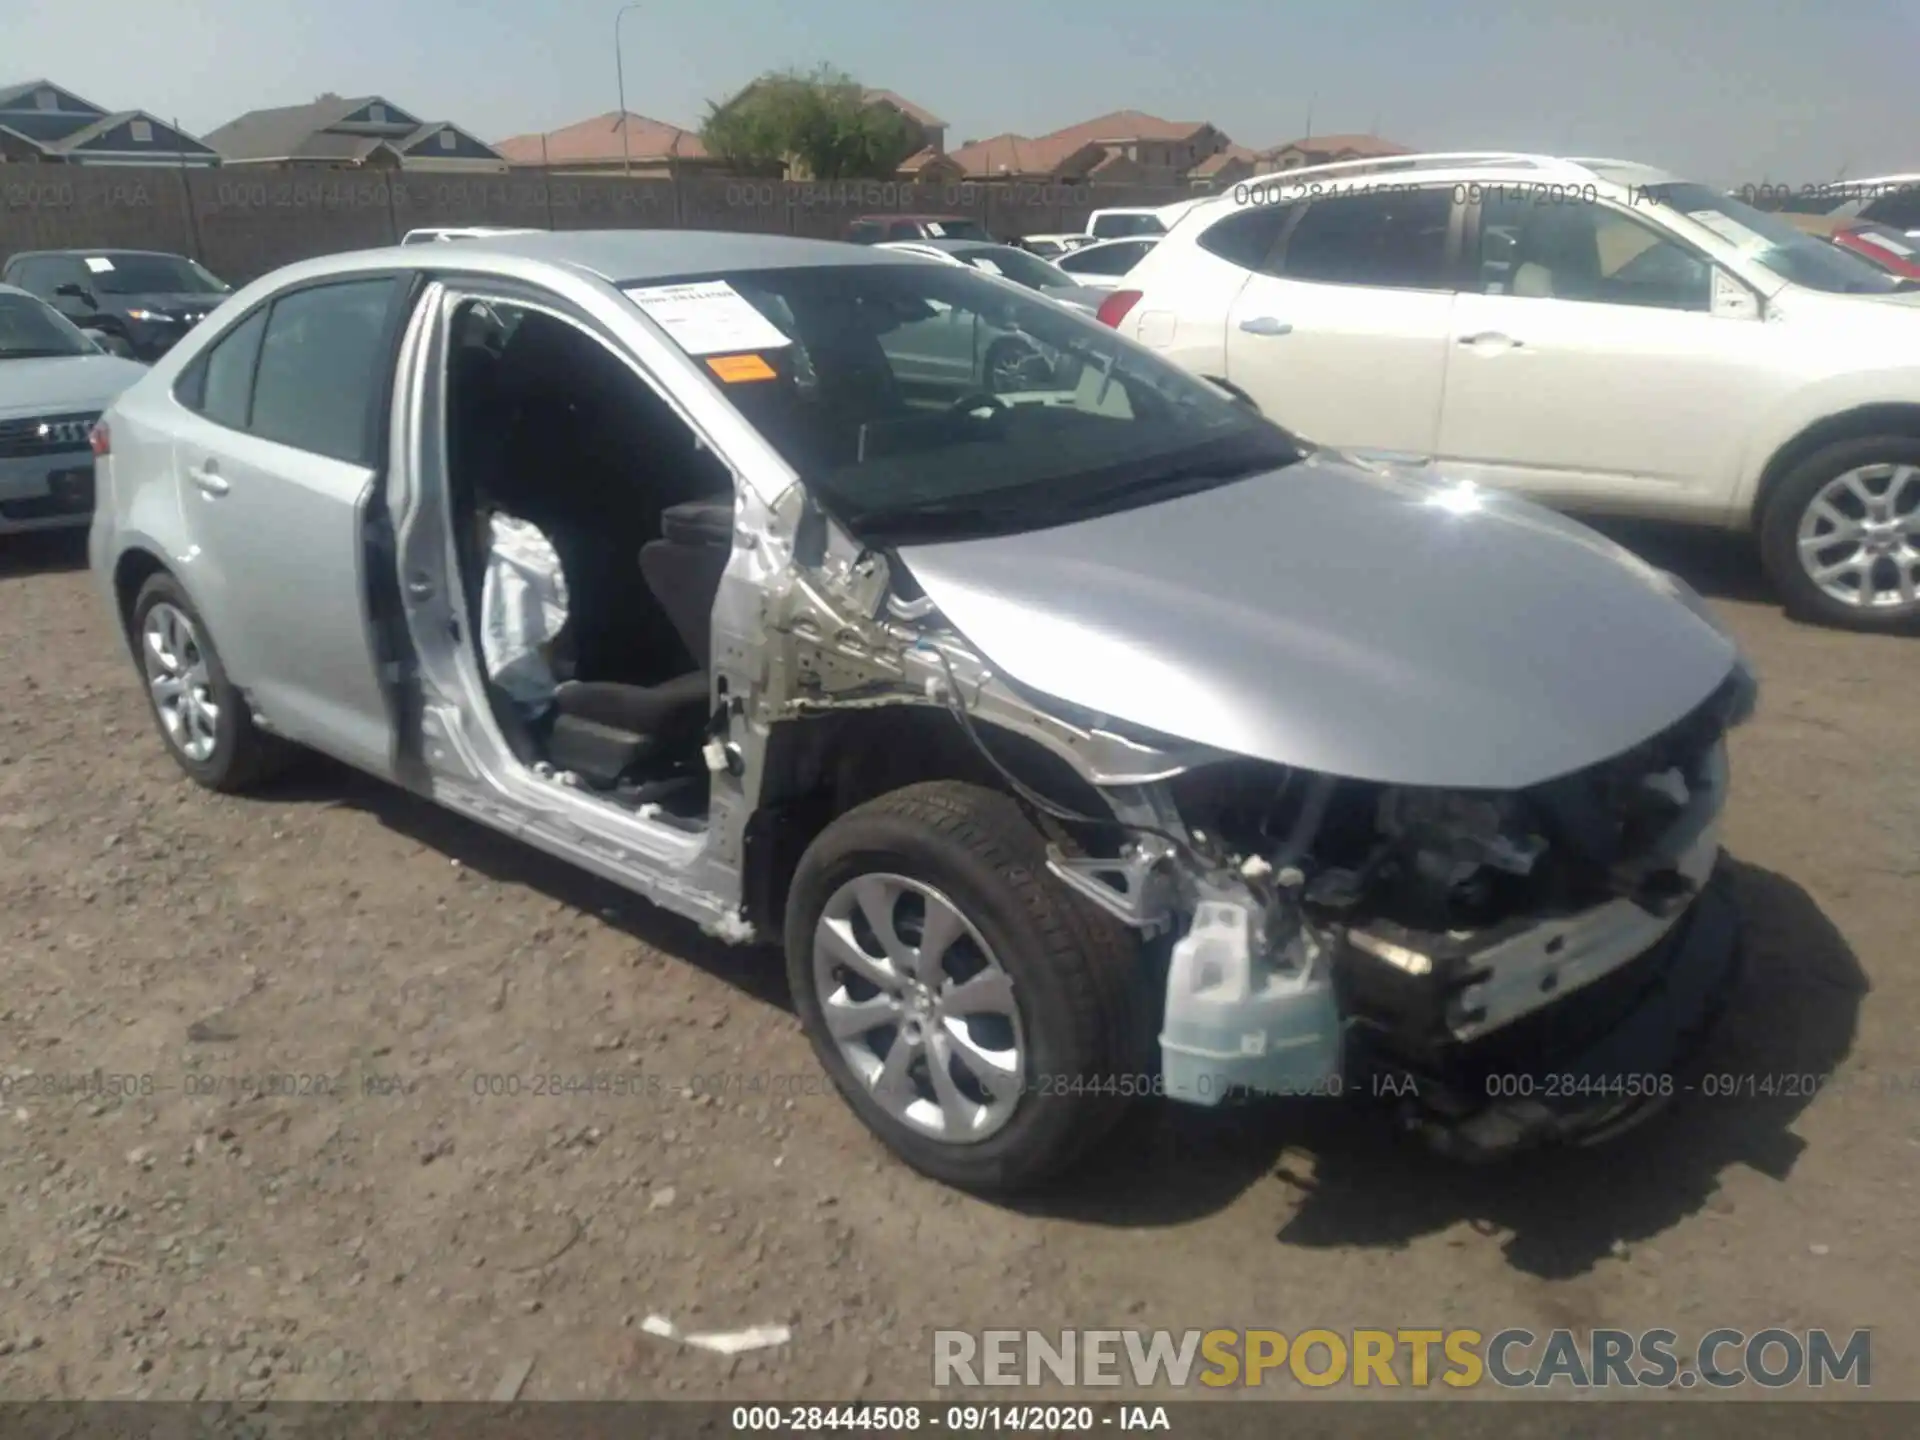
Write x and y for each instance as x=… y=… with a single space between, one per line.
x=392 y=1230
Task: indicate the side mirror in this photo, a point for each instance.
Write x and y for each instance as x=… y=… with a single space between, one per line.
x=110 y=344
x=72 y=291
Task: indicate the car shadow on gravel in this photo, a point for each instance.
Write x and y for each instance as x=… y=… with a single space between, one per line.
x=1353 y=1180
x=42 y=552
x=755 y=971
x=1718 y=563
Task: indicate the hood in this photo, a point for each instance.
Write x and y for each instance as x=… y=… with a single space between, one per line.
x=1350 y=620
x=64 y=382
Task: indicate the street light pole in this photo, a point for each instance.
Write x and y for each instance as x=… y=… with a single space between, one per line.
x=620 y=77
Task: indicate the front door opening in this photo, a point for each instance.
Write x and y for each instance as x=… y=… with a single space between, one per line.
x=557 y=451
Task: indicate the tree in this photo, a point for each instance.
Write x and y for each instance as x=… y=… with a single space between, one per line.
x=814 y=123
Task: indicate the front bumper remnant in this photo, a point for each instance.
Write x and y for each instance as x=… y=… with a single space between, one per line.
x=1595 y=1064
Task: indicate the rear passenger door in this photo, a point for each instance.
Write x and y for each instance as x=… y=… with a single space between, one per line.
x=1343 y=335
x=279 y=451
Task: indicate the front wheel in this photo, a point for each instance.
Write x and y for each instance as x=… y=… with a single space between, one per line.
x=976 y=1015
x=1840 y=538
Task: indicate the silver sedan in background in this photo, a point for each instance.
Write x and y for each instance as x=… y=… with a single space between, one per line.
x=55 y=380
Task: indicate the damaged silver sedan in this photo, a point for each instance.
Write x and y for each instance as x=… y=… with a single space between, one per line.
x=1079 y=734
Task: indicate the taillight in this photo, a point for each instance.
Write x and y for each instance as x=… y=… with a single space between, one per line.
x=100 y=438
x=1114 y=308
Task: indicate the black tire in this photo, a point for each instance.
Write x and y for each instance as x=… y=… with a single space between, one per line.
x=1078 y=976
x=243 y=755
x=1780 y=525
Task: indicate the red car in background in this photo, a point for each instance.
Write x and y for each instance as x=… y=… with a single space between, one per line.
x=1890 y=249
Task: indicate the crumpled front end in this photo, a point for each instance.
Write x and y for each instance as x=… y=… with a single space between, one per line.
x=1506 y=967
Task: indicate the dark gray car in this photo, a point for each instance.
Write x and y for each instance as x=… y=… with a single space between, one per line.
x=1077 y=743
x=140 y=301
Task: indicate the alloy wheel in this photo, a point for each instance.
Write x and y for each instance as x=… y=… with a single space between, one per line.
x=919 y=1007
x=180 y=682
x=1859 y=538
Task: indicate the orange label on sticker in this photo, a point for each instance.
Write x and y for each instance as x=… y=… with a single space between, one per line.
x=735 y=368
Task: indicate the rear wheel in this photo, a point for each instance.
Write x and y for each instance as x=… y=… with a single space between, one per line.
x=976 y=1015
x=201 y=716
x=1840 y=538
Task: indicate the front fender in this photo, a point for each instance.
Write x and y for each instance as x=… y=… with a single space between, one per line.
x=1830 y=399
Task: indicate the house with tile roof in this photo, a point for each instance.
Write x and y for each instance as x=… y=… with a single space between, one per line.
x=41 y=122
x=1328 y=150
x=616 y=142
x=1126 y=146
x=351 y=132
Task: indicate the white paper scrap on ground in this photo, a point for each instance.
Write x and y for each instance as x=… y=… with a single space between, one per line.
x=708 y=318
x=721 y=1342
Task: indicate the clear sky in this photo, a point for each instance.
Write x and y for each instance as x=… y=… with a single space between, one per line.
x=1725 y=90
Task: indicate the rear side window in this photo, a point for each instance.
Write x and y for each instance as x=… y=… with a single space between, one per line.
x=1247 y=237
x=322 y=361
x=1395 y=240
x=904 y=230
x=1901 y=209
x=220 y=384
x=1115 y=259
x=864 y=232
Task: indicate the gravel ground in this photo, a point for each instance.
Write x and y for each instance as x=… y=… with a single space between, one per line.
x=385 y=1228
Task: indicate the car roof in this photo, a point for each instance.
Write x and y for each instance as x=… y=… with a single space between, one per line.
x=6 y=289
x=859 y=218
x=616 y=256
x=83 y=251
x=948 y=242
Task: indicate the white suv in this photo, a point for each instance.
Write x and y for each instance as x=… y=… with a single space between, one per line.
x=1598 y=334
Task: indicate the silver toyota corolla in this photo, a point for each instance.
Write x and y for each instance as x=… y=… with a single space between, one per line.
x=1079 y=734
x=54 y=383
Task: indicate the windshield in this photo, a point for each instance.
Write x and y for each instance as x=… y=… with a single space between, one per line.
x=955 y=230
x=1017 y=265
x=124 y=273
x=1775 y=243
x=31 y=329
x=926 y=401
x=1119 y=227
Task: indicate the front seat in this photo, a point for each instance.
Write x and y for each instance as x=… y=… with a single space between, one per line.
x=604 y=732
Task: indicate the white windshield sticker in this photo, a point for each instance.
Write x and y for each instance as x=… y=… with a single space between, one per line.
x=982 y=263
x=99 y=264
x=936 y=229
x=710 y=318
x=1730 y=230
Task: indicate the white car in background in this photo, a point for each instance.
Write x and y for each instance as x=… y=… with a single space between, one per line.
x=1051 y=247
x=1597 y=334
x=1122 y=222
x=433 y=234
x=1105 y=263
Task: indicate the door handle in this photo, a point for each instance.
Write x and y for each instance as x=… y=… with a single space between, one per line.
x=420 y=586
x=1491 y=337
x=208 y=477
x=1266 y=325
